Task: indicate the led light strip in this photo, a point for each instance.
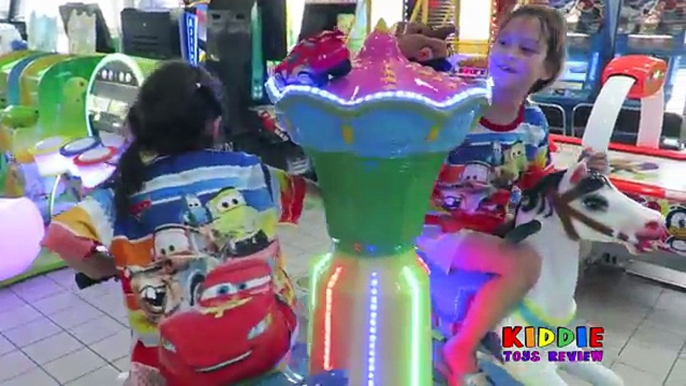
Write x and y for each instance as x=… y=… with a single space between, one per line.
x=328 y=318
x=373 y=313
x=317 y=271
x=277 y=94
x=410 y=277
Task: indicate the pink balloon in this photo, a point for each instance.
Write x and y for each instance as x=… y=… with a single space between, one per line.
x=21 y=231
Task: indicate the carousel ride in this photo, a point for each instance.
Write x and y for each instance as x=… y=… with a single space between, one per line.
x=373 y=171
x=377 y=136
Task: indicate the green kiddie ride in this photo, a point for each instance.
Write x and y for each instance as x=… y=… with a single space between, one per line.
x=7 y=63
x=112 y=88
x=61 y=97
x=66 y=127
x=51 y=88
x=12 y=120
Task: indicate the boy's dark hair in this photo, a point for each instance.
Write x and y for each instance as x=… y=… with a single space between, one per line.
x=553 y=32
x=172 y=115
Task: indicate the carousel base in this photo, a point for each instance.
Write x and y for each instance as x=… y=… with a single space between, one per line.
x=299 y=365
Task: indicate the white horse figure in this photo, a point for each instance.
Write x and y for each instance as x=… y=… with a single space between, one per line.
x=561 y=210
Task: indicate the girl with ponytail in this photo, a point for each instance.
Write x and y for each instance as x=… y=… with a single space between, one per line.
x=177 y=211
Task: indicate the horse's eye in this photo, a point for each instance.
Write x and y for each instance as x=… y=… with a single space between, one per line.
x=595 y=203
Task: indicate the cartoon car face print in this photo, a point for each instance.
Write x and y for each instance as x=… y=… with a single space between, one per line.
x=475 y=173
x=237 y=338
x=676 y=222
x=515 y=158
x=233 y=283
x=195 y=214
x=172 y=246
x=235 y=224
x=230 y=213
x=497 y=157
x=453 y=200
x=464 y=199
x=158 y=293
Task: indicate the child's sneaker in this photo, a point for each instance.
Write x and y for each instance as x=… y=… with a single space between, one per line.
x=476 y=379
x=141 y=375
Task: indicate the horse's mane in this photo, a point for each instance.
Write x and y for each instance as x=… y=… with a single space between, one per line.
x=535 y=197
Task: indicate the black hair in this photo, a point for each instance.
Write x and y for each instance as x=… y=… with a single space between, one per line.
x=171 y=115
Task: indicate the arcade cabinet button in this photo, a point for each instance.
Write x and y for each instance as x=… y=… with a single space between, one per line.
x=79 y=146
x=95 y=156
x=48 y=146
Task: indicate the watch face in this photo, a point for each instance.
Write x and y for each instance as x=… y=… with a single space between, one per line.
x=101 y=250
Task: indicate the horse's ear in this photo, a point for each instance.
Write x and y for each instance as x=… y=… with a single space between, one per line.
x=580 y=171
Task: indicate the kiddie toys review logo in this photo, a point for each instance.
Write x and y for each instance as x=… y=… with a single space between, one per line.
x=531 y=344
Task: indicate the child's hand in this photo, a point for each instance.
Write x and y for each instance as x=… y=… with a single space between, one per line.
x=312 y=189
x=313 y=194
x=597 y=161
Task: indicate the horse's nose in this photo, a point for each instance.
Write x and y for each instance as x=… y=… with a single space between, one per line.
x=656 y=228
x=654 y=225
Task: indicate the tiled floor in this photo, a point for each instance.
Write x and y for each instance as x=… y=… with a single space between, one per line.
x=52 y=334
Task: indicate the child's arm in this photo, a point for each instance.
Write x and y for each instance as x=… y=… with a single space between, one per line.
x=75 y=234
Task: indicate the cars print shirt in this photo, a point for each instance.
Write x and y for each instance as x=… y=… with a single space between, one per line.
x=481 y=181
x=196 y=212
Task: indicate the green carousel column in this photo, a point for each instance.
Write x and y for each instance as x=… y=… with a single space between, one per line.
x=377 y=137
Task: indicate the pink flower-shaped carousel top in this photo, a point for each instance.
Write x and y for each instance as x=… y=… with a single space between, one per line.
x=380 y=72
x=385 y=106
x=380 y=66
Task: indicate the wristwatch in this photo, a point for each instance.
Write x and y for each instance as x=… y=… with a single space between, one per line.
x=98 y=249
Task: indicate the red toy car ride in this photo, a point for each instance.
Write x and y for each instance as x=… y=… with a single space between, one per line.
x=313 y=60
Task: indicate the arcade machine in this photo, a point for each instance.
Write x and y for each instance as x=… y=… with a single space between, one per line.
x=7 y=63
x=54 y=85
x=589 y=42
x=654 y=28
x=315 y=18
x=52 y=89
x=153 y=35
x=112 y=88
x=242 y=70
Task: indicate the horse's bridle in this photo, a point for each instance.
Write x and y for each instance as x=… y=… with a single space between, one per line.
x=561 y=205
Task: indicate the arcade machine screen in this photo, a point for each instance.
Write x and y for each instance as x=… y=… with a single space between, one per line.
x=153 y=35
x=114 y=88
x=586 y=40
